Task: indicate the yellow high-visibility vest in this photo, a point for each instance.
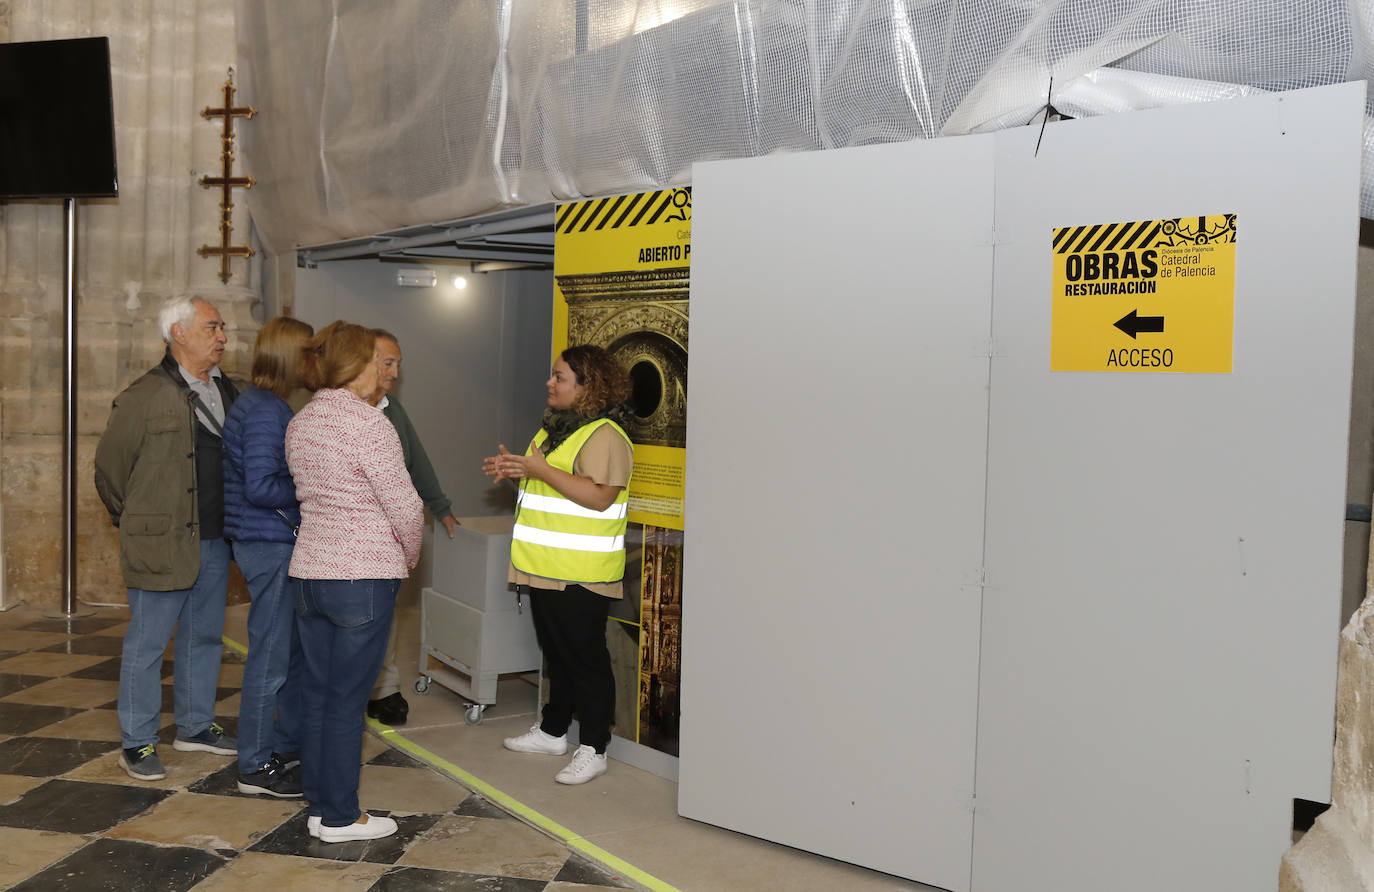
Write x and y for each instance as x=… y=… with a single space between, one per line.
x=556 y=538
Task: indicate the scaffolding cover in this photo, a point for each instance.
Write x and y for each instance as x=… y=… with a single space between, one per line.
x=381 y=114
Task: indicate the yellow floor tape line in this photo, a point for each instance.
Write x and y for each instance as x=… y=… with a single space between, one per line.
x=572 y=840
x=514 y=806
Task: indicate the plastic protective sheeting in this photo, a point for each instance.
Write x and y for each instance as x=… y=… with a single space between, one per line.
x=377 y=114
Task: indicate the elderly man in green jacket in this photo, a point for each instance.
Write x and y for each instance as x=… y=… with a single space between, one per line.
x=386 y=704
x=158 y=471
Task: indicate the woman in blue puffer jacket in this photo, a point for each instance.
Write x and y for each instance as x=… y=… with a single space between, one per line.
x=261 y=515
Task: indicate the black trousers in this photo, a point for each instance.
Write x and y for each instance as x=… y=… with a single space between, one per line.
x=571 y=627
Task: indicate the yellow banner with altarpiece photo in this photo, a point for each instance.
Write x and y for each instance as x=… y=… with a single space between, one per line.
x=621 y=275
x=621 y=270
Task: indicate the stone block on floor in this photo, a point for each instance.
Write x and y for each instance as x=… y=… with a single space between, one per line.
x=1330 y=857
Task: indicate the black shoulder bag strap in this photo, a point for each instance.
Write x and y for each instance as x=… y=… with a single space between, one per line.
x=209 y=417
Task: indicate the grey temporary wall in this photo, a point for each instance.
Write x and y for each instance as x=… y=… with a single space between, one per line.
x=964 y=619
x=475 y=360
x=836 y=455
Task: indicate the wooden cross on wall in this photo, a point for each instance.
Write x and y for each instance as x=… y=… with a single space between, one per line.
x=226 y=181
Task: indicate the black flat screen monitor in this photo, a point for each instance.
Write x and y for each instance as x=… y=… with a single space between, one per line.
x=57 y=120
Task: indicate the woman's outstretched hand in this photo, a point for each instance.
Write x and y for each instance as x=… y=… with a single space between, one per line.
x=582 y=490
x=491 y=465
x=508 y=466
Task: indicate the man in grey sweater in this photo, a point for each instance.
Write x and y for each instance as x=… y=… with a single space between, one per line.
x=386 y=704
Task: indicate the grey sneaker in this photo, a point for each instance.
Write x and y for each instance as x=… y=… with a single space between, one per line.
x=142 y=763
x=211 y=740
x=536 y=741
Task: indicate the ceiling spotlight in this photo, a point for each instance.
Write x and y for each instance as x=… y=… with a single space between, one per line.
x=460 y=282
x=417 y=278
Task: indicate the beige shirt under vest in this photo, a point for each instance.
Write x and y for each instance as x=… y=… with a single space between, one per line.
x=607 y=459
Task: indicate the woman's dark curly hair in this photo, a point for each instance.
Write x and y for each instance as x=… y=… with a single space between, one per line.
x=606 y=386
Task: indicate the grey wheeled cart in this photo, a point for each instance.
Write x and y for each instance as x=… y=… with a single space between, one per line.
x=471 y=632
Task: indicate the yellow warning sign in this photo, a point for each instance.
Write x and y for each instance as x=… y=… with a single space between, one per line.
x=625 y=234
x=1145 y=296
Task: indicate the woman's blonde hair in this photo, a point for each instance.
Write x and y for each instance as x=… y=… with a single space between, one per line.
x=277 y=355
x=337 y=355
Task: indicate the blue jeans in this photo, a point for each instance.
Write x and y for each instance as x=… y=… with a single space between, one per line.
x=197 y=616
x=272 y=673
x=343 y=628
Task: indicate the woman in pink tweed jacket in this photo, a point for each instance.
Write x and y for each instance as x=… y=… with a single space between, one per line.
x=360 y=531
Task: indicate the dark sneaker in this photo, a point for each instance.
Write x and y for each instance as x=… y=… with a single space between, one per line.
x=142 y=763
x=390 y=710
x=273 y=779
x=288 y=760
x=211 y=740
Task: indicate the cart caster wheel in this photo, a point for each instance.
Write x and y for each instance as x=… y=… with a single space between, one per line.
x=422 y=684
x=474 y=714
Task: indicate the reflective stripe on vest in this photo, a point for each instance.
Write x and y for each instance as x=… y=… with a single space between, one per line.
x=560 y=505
x=571 y=541
x=556 y=538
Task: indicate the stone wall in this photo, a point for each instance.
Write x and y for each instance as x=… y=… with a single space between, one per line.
x=169 y=61
x=116 y=345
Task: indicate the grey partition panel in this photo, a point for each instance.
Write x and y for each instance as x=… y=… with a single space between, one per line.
x=835 y=468
x=1164 y=550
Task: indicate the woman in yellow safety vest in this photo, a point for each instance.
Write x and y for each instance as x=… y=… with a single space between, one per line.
x=568 y=549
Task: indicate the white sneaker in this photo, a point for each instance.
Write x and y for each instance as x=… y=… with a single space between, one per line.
x=312 y=826
x=536 y=741
x=586 y=764
x=375 y=828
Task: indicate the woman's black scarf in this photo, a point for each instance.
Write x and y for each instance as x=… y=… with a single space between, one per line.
x=560 y=424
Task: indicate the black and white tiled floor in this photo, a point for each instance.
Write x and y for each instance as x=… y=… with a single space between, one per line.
x=71 y=819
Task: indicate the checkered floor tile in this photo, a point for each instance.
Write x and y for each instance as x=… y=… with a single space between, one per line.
x=70 y=818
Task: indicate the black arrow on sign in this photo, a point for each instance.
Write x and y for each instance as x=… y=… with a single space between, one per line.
x=1131 y=323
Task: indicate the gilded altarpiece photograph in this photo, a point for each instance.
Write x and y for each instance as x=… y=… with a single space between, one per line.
x=621 y=268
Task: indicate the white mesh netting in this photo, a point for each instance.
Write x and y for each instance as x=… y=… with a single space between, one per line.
x=379 y=114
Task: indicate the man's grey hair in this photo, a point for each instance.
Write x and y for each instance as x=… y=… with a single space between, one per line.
x=178 y=309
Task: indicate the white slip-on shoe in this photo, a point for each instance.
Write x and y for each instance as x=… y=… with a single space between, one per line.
x=375 y=828
x=536 y=741
x=586 y=764
x=312 y=826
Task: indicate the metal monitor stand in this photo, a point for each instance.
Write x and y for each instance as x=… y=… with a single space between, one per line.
x=69 y=407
